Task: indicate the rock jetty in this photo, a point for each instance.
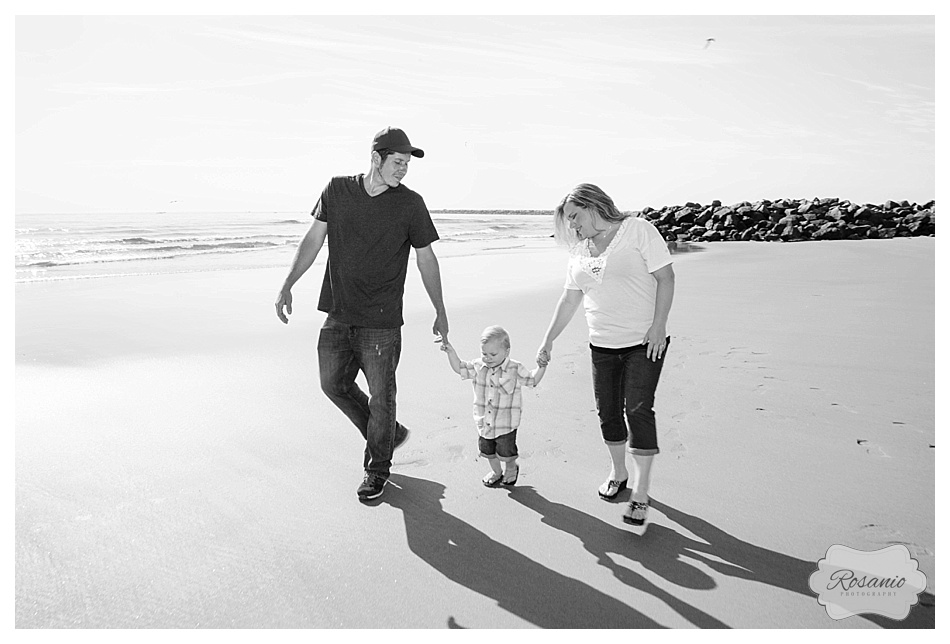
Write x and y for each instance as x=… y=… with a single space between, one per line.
x=789 y=220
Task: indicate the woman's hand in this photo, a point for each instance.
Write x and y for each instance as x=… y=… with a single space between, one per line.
x=655 y=339
x=544 y=354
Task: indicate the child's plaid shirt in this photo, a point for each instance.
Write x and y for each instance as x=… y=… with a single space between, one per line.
x=497 y=409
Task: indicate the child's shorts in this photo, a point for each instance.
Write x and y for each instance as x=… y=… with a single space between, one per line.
x=503 y=446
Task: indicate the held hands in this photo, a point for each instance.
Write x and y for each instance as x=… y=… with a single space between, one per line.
x=445 y=345
x=284 y=298
x=440 y=329
x=443 y=342
x=655 y=339
x=544 y=355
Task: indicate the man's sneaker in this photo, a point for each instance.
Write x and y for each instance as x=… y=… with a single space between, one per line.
x=372 y=486
x=401 y=440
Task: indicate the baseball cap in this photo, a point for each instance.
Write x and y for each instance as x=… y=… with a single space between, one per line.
x=392 y=138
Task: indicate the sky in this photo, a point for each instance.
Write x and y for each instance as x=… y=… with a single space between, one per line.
x=255 y=113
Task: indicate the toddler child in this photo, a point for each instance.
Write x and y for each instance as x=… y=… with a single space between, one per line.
x=497 y=381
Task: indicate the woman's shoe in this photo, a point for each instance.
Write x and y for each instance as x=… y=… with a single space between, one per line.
x=508 y=479
x=491 y=479
x=636 y=513
x=611 y=489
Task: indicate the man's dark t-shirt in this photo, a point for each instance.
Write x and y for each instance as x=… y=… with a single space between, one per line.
x=369 y=240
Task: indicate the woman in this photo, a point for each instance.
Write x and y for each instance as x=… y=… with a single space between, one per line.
x=621 y=268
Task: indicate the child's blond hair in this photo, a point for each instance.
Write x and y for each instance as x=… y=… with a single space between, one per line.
x=496 y=332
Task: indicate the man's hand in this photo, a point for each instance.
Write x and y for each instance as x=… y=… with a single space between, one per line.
x=284 y=299
x=440 y=328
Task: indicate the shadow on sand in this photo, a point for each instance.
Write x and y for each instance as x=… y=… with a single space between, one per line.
x=549 y=599
x=666 y=552
x=519 y=584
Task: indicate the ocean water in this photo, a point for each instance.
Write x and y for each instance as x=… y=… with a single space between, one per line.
x=85 y=246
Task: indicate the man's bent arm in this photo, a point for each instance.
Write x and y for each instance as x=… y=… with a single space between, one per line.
x=428 y=266
x=307 y=251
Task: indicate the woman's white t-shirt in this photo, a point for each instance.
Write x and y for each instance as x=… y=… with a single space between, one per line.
x=619 y=289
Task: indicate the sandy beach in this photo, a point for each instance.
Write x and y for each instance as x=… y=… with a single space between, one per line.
x=178 y=467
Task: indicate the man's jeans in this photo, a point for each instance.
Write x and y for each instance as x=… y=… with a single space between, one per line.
x=345 y=350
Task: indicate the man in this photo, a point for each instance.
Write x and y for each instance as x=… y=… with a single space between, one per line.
x=371 y=221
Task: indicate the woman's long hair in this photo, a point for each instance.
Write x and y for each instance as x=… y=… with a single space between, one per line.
x=590 y=197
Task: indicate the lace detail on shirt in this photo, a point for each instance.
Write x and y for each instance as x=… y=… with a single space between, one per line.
x=596 y=266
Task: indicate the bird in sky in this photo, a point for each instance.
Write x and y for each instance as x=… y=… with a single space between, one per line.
x=708 y=40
